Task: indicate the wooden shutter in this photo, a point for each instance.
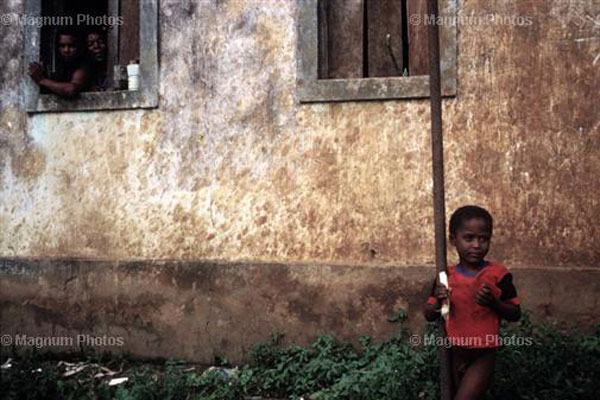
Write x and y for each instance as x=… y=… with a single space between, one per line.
x=366 y=38
x=418 y=43
x=129 y=31
x=384 y=17
x=344 y=38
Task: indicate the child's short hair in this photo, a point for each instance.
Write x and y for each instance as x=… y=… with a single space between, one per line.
x=465 y=213
x=68 y=31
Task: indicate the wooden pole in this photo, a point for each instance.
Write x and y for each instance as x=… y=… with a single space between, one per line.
x=437 y=151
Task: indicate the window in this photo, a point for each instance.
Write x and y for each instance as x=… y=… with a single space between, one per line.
x=122 y=25
x=371 y=49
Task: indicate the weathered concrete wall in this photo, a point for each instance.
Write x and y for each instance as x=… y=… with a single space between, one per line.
x=198 y=311
x=231 y=167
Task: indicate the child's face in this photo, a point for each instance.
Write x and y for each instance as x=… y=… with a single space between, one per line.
x=67 y=47
x=472 y=241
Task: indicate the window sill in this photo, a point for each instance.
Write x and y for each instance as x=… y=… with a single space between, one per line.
x=323 y=90
x=89 y=101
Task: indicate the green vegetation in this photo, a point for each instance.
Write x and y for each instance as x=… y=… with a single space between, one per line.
x=557 y=365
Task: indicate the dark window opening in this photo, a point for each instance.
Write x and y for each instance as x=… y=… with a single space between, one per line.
x=371 y=38
x=405 y=42
x=106 y=39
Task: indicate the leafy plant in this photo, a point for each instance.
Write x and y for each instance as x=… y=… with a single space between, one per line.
x=544 y=362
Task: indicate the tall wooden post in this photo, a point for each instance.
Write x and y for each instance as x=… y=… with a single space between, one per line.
x=437 y=151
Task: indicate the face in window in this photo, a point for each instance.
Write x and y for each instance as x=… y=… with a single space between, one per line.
x=67 y=47
x=96 y=47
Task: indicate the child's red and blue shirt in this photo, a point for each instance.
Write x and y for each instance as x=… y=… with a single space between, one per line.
x=470 y=324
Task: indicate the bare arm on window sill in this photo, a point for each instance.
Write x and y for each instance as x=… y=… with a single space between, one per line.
x=64 y=89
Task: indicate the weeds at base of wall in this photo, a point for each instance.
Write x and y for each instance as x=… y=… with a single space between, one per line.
x=555 y=365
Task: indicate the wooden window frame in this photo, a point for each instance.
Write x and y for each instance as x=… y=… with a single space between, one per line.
x=145 y=97
x=312 y=89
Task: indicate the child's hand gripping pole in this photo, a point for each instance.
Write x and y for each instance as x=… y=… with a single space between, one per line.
x=445 y=310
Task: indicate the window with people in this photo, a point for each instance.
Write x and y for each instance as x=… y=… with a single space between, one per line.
x=91 y=50
x=80 y=64
x=87 y=55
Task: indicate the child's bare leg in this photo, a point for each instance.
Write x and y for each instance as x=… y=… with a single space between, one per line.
x=477 y=377
x=460 y=362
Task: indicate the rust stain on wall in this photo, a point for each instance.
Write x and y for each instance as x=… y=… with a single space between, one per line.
x=29 y=164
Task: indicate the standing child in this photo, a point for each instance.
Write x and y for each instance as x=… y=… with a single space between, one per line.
x=481 y=293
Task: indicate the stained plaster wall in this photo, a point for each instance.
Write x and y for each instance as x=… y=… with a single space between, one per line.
x=232 y=169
